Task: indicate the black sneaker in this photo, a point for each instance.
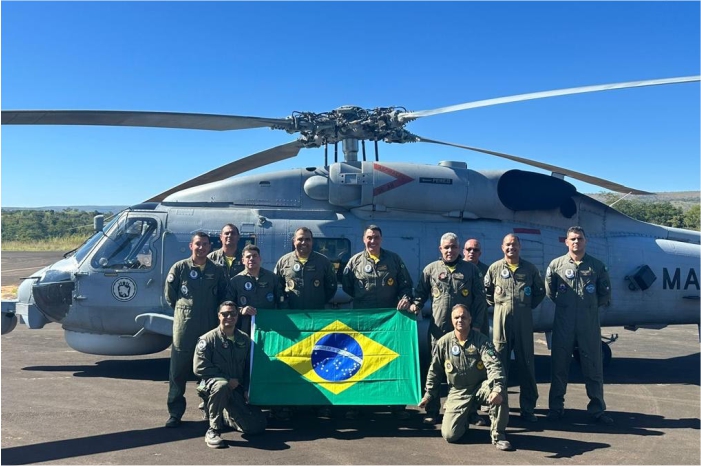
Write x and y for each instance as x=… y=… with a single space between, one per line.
x=528 y=417
x=555 y=414
x=213 y=439
x=173 y=422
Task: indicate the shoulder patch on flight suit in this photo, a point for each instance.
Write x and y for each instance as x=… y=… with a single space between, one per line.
x=480 y=365
x=590 y=288
x=465 y=292
x=561 y=287
x=248 y=286
x=184 y=290
x=435 y=292
x=455 y=350
x=504 y=273
x=269 y=297
x=569 y=273
x=497 y=290
x=290 y=285
x=486 y=281
x=193 y=274
x=390 y=281
x=527 y=291
x=170 y=278
x=368 y=268
x=346 y=271
x=317 y=282
x=296 y=267
x=201 y=345
x=548 y=272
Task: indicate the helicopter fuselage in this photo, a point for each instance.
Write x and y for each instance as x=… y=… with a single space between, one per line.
x=108 y=296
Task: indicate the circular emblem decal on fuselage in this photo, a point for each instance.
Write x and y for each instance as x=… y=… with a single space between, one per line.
x=124 y=289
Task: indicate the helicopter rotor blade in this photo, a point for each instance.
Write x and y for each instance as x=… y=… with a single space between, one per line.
x=274 y=154
x=610 y=185
x=542 y=95
x=146 y=119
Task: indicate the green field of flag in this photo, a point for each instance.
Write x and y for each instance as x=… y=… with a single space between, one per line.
x=338 y=357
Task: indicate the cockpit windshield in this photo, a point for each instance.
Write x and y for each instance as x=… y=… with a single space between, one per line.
x=128 y=244
x=85 y=248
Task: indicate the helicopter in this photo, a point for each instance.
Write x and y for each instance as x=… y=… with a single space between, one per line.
x=108 y=293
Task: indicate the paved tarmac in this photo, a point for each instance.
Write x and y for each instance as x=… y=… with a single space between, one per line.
x=17 y=265
x=64 y=407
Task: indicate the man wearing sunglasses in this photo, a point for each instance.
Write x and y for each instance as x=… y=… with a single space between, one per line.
x=472 y=252
x=221 y=360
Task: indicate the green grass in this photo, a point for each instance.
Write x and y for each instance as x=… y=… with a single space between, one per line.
x=61 y=243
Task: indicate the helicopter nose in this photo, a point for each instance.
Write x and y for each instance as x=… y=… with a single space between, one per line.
x=54 y=299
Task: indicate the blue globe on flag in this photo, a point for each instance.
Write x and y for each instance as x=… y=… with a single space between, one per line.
x=337 y=357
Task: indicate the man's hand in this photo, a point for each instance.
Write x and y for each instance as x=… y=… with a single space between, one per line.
x=233 y=383
x=403 y=304
x=494 y=399
x=248 y=311
x=414 y=308
x=424 y=401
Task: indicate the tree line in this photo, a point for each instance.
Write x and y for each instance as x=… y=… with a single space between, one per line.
x=38 y=225
x=660 y=213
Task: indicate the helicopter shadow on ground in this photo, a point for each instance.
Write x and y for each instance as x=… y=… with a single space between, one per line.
x=305 y=427
x=675 y=370
x=626 y=423
x=155 y=369
x=105 y=443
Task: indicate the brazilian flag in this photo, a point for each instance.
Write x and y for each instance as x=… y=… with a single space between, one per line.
x=338 y=357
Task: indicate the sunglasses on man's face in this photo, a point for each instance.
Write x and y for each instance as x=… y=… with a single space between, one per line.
x=227 y=315
x=472 y=249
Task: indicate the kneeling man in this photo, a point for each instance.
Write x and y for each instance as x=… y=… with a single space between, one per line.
x=475 y=375
x=221 y=360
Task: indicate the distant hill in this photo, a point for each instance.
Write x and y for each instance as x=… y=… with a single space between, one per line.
x=681 y=199
x=86 y=208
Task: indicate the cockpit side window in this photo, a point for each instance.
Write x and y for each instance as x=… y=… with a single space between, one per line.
x=244 y=241
x=128 y=245
x=337 y=250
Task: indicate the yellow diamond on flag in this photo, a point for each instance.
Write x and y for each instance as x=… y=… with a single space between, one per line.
x=336 y=357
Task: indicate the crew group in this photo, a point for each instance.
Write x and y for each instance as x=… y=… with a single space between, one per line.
x=460 y=288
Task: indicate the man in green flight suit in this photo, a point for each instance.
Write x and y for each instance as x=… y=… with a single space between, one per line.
x=472 y=251
x=221 y=360
x=194 y=288
x=578 y=284
x=449 y=281
x=377 y=278
x=227 y=257
x=475 y=375
x=255 y=288
x=307 y=276
x=514 y=287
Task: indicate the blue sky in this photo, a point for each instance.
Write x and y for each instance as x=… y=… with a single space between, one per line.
x=270 y=59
